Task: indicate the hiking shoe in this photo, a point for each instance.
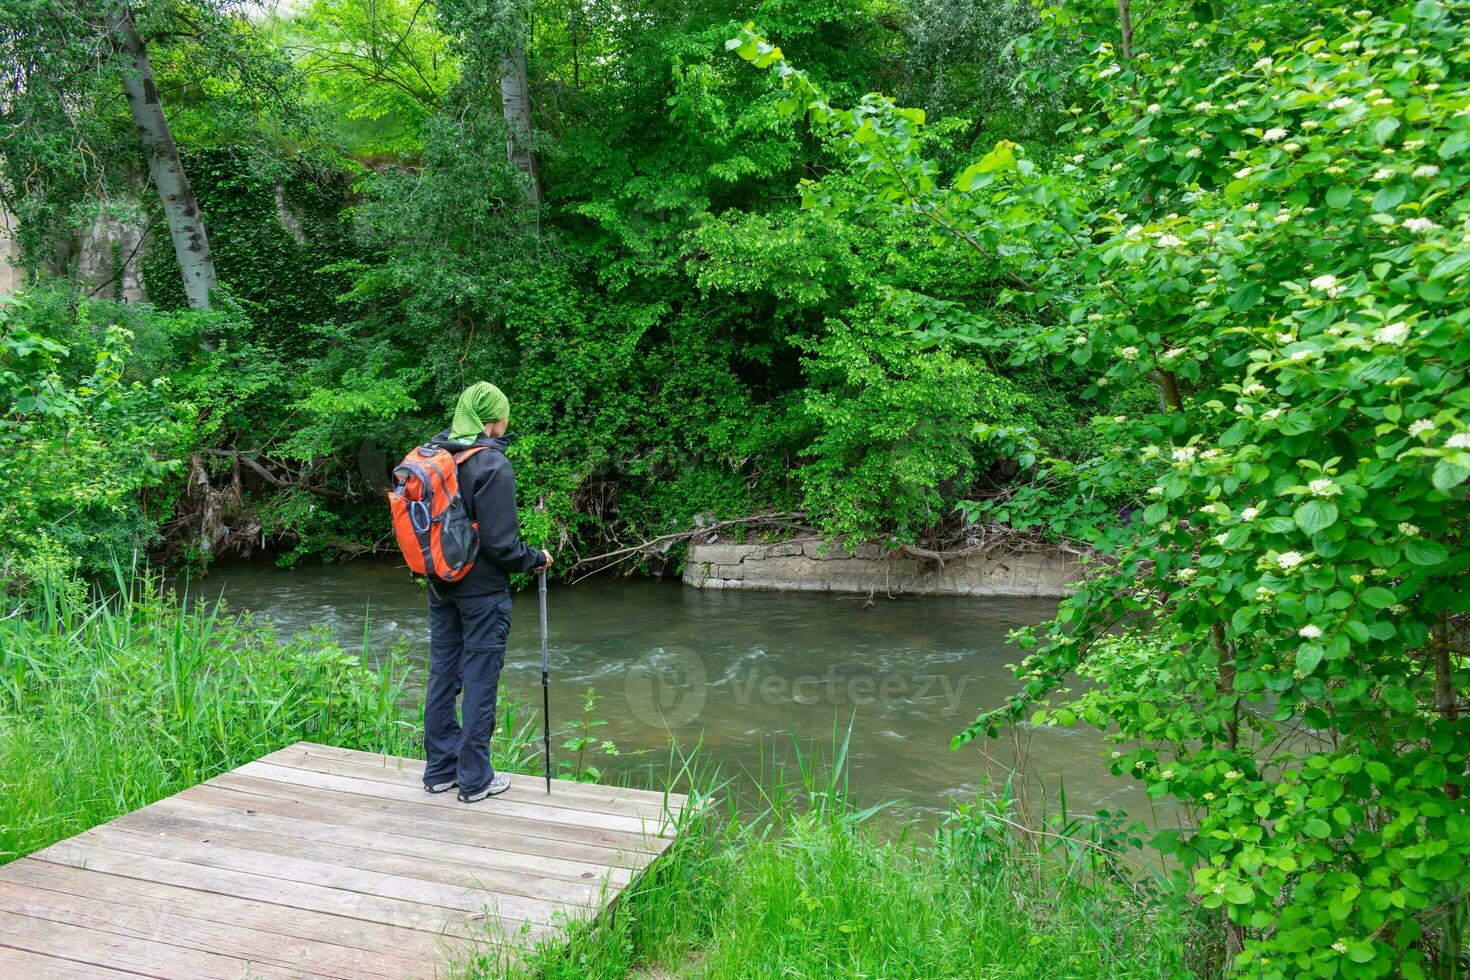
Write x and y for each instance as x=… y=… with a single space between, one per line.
x=441 y=787
x=496 y=786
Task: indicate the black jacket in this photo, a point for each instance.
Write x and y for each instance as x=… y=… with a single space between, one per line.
x=488 y=486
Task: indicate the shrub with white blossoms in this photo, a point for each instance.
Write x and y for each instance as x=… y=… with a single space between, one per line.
x=1302 y=676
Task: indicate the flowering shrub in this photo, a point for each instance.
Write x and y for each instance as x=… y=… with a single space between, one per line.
x=1264 y=220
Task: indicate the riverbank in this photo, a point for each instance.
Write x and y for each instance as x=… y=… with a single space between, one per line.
x=811 y=564
x=107 y=705
x=810 y=888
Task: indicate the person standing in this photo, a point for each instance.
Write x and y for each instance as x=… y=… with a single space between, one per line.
x=469 y=620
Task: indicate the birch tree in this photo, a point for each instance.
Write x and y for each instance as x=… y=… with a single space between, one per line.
x=165 y=169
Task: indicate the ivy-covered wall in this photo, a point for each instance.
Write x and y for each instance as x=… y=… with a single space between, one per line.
x=273 y=266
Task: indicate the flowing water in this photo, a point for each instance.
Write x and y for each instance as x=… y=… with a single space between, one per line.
x=740 y=673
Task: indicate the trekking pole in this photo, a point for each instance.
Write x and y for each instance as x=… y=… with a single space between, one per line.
x=545 y=681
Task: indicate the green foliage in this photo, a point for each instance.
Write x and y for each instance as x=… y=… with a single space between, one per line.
x=1267 y=231
x=80 y=439
x=805 y=885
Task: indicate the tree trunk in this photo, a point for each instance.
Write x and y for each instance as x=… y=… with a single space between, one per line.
x=515 y=94
x=180 y=207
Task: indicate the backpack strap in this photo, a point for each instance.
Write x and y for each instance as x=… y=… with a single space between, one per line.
x=465 y=454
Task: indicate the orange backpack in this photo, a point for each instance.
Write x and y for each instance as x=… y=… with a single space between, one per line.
x=434 y=530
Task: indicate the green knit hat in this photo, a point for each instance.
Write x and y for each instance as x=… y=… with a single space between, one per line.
x=480 y=404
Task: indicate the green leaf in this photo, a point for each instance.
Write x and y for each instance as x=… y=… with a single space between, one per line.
x=1307 y=658
x=1449 y=473
x=1338 y=196
x=1454 y=145
x=1315 y=515
x=1384 y=128
x=1425 y=551
x=1389 y=198
x=1377 y=597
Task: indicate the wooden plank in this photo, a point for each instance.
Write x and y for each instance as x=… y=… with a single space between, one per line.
x=176 y=820
x=146 y=956
x=280 y=891
x=35 y=966
x=565 y=793
x=377 y=938
x=174 y=928
x=617 y=848
x=511 y=803
x=651 y=797
x=446 y=898
x=229 y=809
x=323 y=862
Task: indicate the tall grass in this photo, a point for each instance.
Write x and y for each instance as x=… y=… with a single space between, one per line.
x=812 y=887
x=111 y=701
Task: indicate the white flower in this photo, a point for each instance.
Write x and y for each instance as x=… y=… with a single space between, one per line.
x=1250 y=514
x=1303 y=355
x=1460 y=440
x=1155 y=491
x=1328 y=284
x=1408 y=530
x=1078 y=158
x=1339 y=946
x=1167 y=774
x=1200 y=42
x=1273 y=134
x=1184 y=454
x=1281 y=217
x=1411 y=146
x=1311 y=123
x=1309 y=632
x=1175 y=69
x=1254 y=388
x=1263 y=594
x=1080 y=340
x=1383 y=173
x=1193 y=153
x=1109 y=71
x=1185 y=574
x=1169 y=241
x=1291 y=147
x=1128 y=353
x=1348 y=46
x=1324 y=488
x=1340 y=103
x=1383 y=101
x=1262 y=63
x=1427 y=170
x=1220 y=538
x=1234 y=774
x=1242 y=173
x=1420 y=427
x=1393 y=333
x=1419 y=225
x=1203 y=106
x=1288 y=560
x=1153 y=108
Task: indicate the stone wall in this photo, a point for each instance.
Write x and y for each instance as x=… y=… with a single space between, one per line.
x=812 y=565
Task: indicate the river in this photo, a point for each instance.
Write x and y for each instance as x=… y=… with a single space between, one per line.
x=740 y=673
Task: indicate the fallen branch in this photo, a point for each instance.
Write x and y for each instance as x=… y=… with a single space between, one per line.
x=662 y=543
x=246 y=457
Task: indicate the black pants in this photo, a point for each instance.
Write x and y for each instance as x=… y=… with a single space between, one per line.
x=467 y=637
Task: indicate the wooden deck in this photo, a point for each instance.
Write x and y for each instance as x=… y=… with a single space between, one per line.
x=316 y=861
